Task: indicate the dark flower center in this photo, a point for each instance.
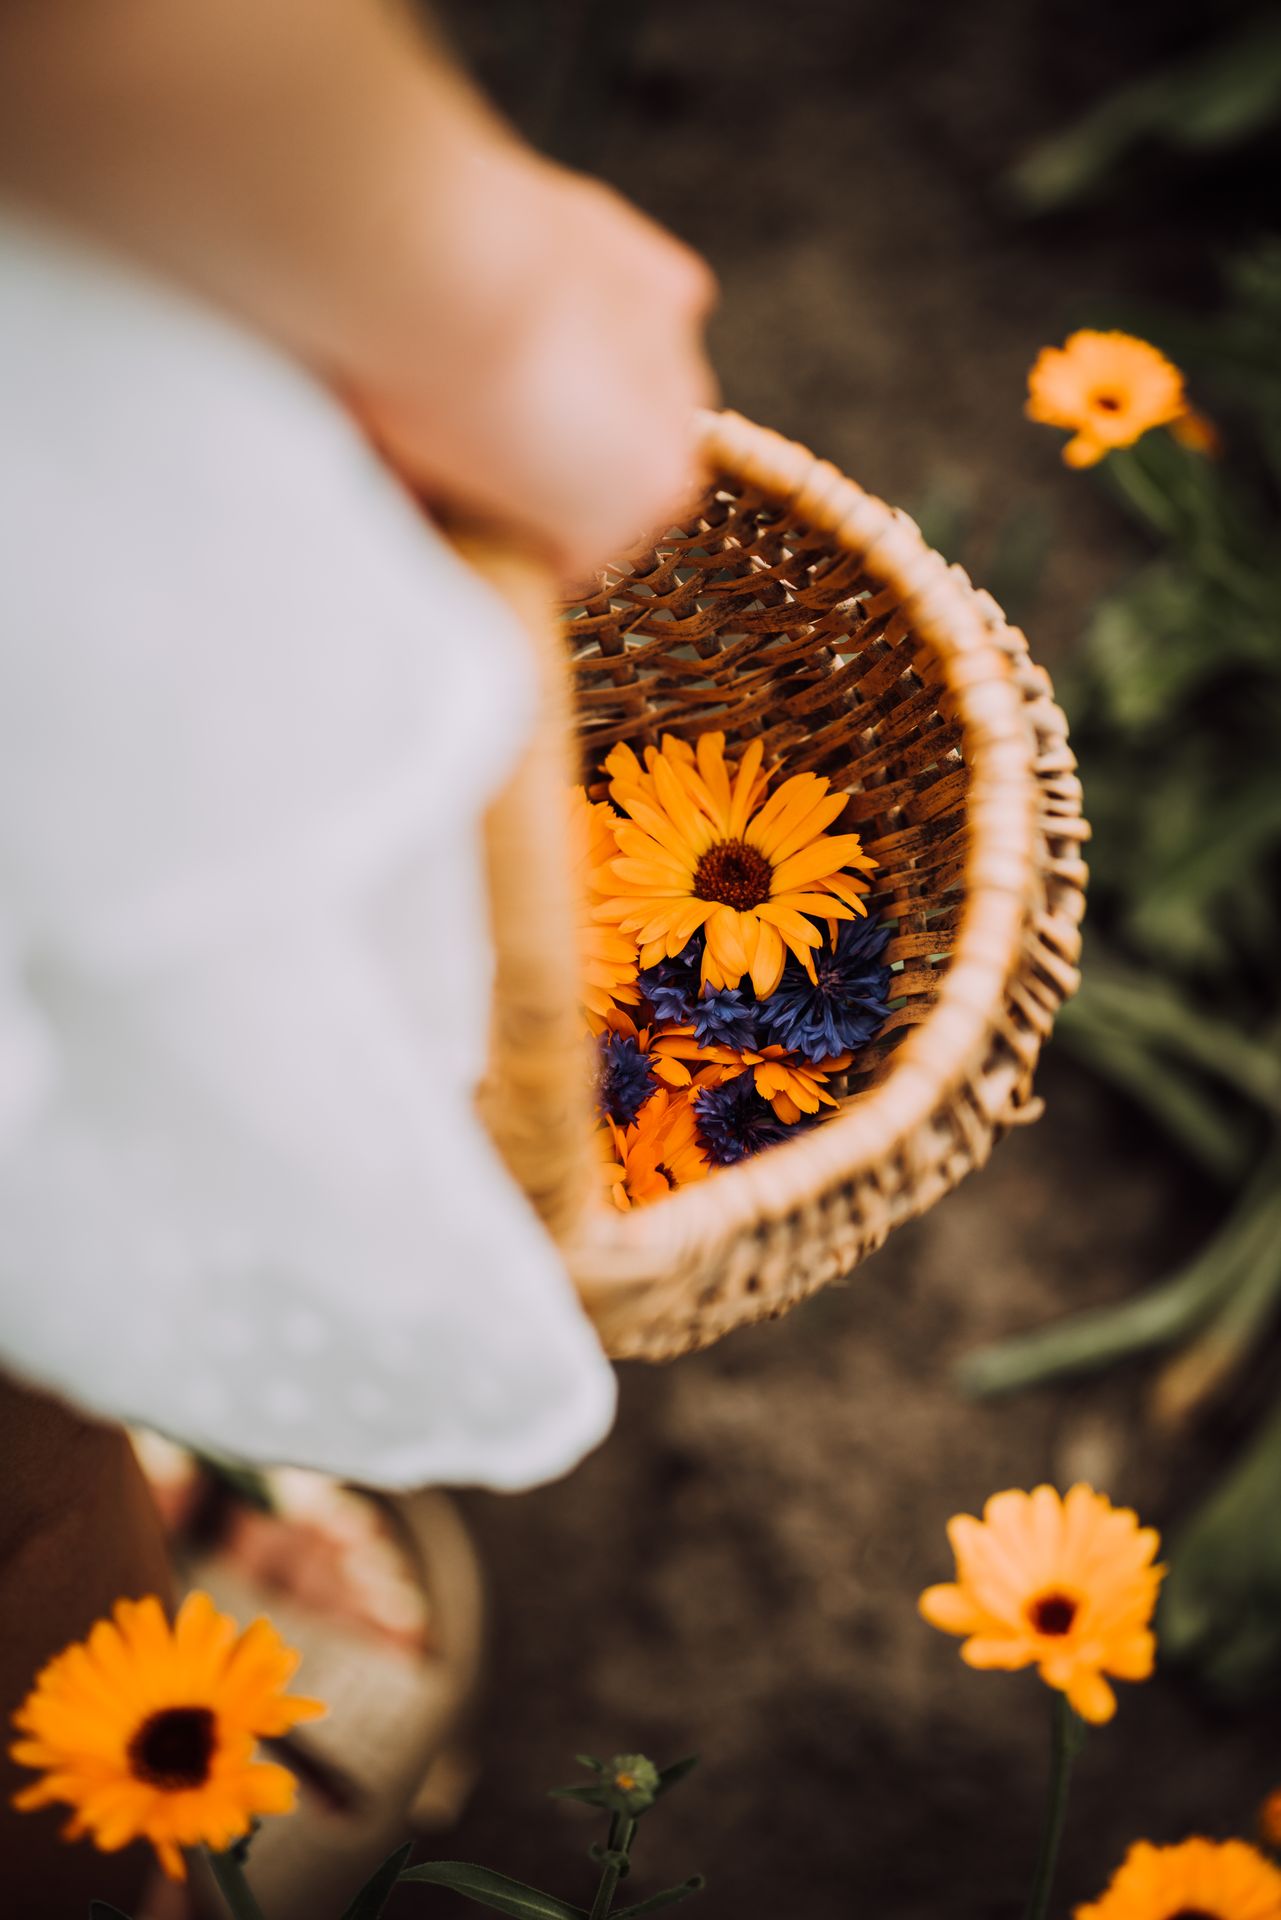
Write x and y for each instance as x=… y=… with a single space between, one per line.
x=172 y=1749
x=1052 y=1613
x=1193 y=1913
x=1107 y=403
x=733 y=873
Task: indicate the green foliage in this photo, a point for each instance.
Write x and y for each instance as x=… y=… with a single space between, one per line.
x=1222 y=1603
x=1216 y=97
x=377 y=1891
x=626 y=1788
x=494 y=1890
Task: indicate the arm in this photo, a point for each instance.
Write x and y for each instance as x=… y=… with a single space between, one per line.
x=523 y=343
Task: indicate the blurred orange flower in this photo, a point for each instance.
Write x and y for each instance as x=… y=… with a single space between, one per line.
x=148 y=1731
x=1270 y=1819
x=1108 y=388
x=1065 y=1585
x=606 y=956
x=1220 y=1880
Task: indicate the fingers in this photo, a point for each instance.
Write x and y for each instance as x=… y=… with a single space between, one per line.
x=569 y=415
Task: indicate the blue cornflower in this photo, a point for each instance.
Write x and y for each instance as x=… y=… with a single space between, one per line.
x=847 y=1005
x=671 y=986
x=733 y=1122
x=725 y=1017
x=624 y=1078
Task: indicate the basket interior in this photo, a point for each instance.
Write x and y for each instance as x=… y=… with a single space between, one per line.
x=748 y=620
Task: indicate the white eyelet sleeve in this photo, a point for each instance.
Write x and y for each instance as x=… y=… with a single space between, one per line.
x=251 y=711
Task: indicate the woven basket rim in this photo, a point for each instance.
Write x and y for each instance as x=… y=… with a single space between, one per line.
x=1001 y=874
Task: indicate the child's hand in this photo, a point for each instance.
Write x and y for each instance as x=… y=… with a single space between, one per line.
x=553 y=385
x=523 y=344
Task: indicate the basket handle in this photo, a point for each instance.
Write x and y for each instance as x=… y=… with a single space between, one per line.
x=535 y=1099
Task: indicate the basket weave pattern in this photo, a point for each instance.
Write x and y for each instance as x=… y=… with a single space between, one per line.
x=794 y=607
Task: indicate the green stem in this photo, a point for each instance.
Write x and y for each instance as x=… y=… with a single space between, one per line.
x=1066 y=1735
x=233 y=1886
x=622 y=1831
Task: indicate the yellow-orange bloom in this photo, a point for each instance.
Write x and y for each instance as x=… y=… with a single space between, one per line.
x=607 y=957
x=1197 y=1880
x=1270 y=1819
x=147 y=1731
x=659 y=1151
x=1107 y=388
x=1065 y=1585
x=704 y=847
x=792 y=1086
x=1198 y=433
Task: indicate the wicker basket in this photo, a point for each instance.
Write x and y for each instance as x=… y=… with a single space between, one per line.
x=794 y=606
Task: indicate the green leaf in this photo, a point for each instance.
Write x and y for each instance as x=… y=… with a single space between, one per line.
x=494 y=1890
x=667 y=1898
x=669 y=1777
x=1084 y=1342
x=376 y=1892
x=589 y=1796
x=102 y=1910
x=1221 y=1602
x=1221 y=93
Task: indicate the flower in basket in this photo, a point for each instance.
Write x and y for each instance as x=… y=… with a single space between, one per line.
x=659 y=1151
x=843 y=1006
x=705 y=845
x=607 y=957
x=716 y=1016
x=1208 y=1879
x=1067 y=1585
x=733 y=1122
x=148 y=1731
x=794 y=1088
x=631 y=1062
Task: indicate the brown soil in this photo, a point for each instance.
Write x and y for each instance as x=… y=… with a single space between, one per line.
x=736 y=1570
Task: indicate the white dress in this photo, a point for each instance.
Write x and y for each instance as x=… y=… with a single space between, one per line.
x=250 y=713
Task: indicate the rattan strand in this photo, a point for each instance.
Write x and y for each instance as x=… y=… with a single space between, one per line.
x=795 y=606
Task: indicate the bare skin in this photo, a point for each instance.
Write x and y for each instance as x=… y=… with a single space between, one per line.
x=523 y=343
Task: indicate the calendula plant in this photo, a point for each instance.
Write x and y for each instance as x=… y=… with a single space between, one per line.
x=1176 y=713
x=148 y=1730
x=1065 y=1584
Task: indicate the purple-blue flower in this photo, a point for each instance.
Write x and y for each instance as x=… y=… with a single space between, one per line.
x=733 y=1122
x=624 y=1078
x=671 y=986
x=725 y=1017
x=844 y=1008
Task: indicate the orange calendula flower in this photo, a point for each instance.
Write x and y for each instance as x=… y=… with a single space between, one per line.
x=659 y=1151
x=1067 y=1585
x=1108 y=388
x=607 y=956
x=147 y=1731
x=703 y=846
x=1197 y=1880
x=792 y=1086
x=1198 y=433
x=1270 y=1819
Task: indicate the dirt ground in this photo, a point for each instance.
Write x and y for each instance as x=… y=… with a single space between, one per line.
x=736 y=1570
